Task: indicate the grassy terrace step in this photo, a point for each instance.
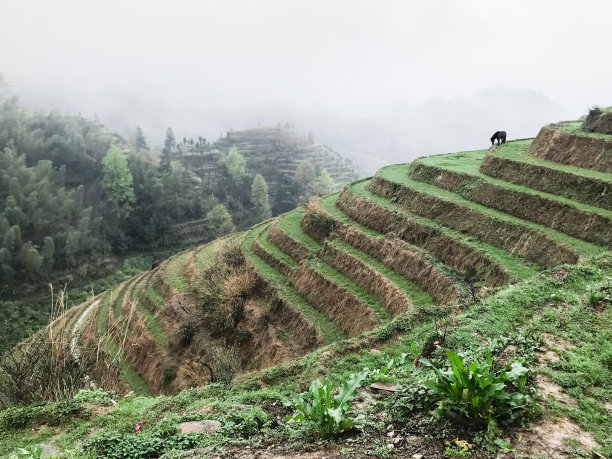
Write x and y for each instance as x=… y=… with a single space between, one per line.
x=494 y=265
x=110 y=344
x=460 y=174
x=543 y=245
x=301 y=247
x=391 y=255
x=150 y=319
x=510 y=162
x=329 y=332
x=414 y=293
x=271 y=254
x=130 y=376
x=173 y=271
x=290 y=223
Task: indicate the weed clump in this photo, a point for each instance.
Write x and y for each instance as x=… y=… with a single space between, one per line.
x=591 y=119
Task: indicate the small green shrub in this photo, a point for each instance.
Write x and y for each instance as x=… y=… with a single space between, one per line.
x=477 y=393
x=95 y=396
x=245 y=423
x=63 y=411
x=29 y=452
x=18 y=417
x=591 y=119
x=327 y=412
x=124 y=446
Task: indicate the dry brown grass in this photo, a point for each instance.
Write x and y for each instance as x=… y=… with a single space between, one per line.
x=457 y=255
x=339 y=305
x=266 y=256
x=399 y=257
x=390 y=296
x=295 y=249
x=512 y=237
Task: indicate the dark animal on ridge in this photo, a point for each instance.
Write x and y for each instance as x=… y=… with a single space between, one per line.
x=156 y=263
x=500 y=136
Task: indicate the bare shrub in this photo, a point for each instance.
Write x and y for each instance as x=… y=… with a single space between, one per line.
x=43 y=366
x=591 y=119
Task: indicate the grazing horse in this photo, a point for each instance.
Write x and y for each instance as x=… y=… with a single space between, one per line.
x=500 y=136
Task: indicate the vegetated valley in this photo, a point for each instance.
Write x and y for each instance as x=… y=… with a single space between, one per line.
x=457 y=306
x=83 y=208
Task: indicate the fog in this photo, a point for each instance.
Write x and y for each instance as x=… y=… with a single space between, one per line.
x=379 y=81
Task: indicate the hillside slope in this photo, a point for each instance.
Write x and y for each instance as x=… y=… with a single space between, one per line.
x=469 y=251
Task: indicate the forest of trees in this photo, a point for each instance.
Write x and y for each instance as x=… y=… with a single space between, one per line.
x=72 y=193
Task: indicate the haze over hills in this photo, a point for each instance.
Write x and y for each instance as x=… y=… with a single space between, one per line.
x=370 y=138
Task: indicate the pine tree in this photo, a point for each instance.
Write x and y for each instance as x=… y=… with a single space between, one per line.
x=260 y=198
x=141 y=142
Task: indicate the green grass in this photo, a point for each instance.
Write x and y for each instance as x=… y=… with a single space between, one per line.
x=575 y=128
x=517 y=151
x=118 y=300
x=468 y=162
x=360 y=293
x=290 y=224
x=153 y=326
x=520 y=267
x=155 y=297
x=329 y=332
x=131 y=377
x=514 y=316
x=398 y=174
x=262 y=238
x=205 y=255
x=417 y=295
x=102 y=315
x=173 y=271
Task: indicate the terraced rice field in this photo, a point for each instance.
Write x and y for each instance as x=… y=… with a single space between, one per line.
x=433 y=236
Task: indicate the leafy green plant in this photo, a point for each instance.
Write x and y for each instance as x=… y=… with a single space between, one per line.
x=95 y=396
x=29 y=452
x=477 y=392
x=383 y=374
x=328 y=412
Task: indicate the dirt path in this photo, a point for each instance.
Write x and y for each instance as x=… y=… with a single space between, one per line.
x=77 y=326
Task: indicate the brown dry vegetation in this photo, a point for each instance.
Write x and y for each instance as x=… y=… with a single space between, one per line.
x=395 y=254
x=339 y=305
x=390 y=296
x=561 y=147
x=514 y=238
x=295 y=249
x=457 y=255
x=589 y=190
x=266 y=256
x=556 y=215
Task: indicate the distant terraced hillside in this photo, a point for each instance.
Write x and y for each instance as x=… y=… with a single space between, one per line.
x=427 y=238
x=275 y=154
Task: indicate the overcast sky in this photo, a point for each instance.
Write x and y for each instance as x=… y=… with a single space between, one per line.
x=227 y=58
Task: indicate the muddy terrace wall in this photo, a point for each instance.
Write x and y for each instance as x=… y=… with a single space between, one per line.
x=588 y=190
x=552 y=214
x=457 y=255
x=514 y=238
x=561 y=147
